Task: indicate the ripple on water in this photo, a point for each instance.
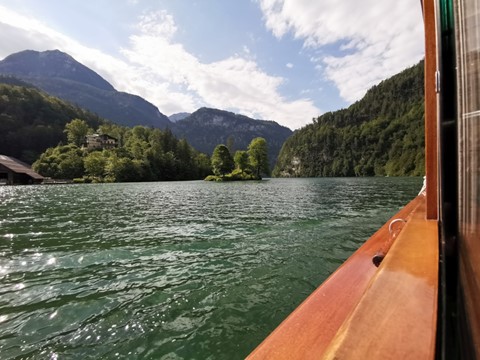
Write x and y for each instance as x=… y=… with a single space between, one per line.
x=173 y=270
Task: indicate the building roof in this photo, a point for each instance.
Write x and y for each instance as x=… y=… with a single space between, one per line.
x=19 y=167
x=106 y=137
x=102 y=136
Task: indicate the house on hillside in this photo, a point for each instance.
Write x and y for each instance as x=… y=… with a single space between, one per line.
x=16 y=172
x=100 y=142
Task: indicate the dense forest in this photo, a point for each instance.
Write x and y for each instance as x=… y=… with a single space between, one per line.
x=382 y=134
x=143 y=154
x=34 y=126
x=206 y=128
x=32 y=121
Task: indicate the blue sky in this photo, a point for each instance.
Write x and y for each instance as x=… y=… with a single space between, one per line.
x=282 y=60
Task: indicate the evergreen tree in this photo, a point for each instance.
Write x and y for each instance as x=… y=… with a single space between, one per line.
x=382 y=134
x=222 y=162
x=32 y=121
x=241 y=160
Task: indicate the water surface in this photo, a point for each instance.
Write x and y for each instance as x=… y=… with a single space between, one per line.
x=179 y=270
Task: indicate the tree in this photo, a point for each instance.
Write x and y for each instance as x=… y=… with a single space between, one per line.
x=258 y=156
x=222 y=162
x=127 y=170
x=76 y=131
x=141 y=157
x=116 y=131
x=241 y=160
x=203 y=165
x=71 y=165
x=185 y=160
x=95 y=164
x=381 y=134
x=61 y=162
x=32 y=121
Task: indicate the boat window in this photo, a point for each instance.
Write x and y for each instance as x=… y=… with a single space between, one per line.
x=468 y=58
x=468 y=132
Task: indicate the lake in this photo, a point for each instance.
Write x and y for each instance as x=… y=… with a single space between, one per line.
x=173 y=270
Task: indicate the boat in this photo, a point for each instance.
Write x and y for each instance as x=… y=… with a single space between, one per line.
x=412 y=290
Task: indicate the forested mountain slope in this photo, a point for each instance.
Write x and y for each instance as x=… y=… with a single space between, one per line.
x=381 y=134
x=60 y=75
x=206 y=128
x=32 y=121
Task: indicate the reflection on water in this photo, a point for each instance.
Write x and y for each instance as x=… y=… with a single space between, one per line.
x=173 y=270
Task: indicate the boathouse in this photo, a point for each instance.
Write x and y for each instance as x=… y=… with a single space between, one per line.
x=13 y=172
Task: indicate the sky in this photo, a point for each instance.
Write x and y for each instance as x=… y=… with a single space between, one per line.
x=282 y=60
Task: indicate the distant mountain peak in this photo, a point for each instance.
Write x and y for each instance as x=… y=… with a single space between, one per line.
x=59 y=74
x=207 y=127
x=54 y=64
x=178 y=116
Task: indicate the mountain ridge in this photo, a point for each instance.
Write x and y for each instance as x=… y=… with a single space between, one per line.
x=32 y=120
x=178 y=116
x=52 y=63
x=60 y=75
x=382 y=134
x=207 y=127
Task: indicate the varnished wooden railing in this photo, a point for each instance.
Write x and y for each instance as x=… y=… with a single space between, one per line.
x=431 y=140
x=365 y=312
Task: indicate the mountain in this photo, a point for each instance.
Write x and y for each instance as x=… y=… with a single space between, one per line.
x=177 y=117
x=32 y=121
x=11 y=80
x=381 y=134
x=60 y=75
x=206 y=128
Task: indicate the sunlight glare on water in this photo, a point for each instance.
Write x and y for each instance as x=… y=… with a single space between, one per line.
x=180 y=270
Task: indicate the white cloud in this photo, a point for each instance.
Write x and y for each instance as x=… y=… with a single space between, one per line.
x=235 y=83
x=164 y=72
x=289 y=65
x=157 y=23
x=380 y=38
x=18 y=32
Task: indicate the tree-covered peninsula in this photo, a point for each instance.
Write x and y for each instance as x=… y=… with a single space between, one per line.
x=139 y=154
x=382 y=134
x=244 y=165
x=36 y=127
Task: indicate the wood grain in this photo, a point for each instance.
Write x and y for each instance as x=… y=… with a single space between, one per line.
x=431 y=142
x=396 y=318
x=309 y=330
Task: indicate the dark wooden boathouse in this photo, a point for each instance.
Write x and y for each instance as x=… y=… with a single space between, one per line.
x=16 y=172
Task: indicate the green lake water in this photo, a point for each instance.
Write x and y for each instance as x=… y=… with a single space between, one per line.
x=178 y=270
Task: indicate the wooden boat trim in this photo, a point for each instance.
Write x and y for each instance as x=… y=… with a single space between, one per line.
x=399 y=309
x=310 y=329
x=431 y=129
